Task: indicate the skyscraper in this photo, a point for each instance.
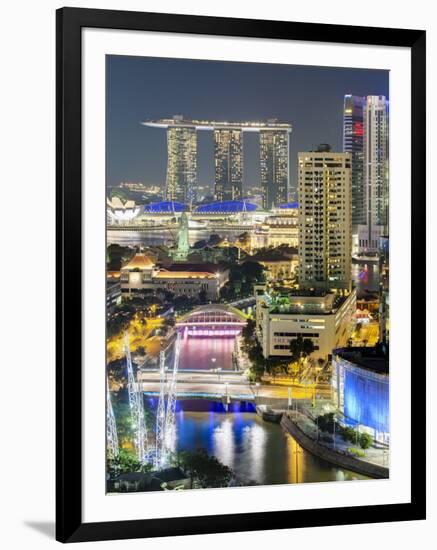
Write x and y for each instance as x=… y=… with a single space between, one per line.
x=274 y=166
x=376 y=173
x=228 y=159
x=353 y=142
x=325 y=221
x=181 y=163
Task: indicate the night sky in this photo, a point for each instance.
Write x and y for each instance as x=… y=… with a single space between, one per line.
x=141 y=88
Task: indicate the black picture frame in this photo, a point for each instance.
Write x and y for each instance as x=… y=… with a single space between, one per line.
x=69 y=525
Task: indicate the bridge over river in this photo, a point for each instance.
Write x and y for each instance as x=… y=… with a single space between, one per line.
x=213 y=320
x=206 y=366
x=230 y=386
x=208 y=337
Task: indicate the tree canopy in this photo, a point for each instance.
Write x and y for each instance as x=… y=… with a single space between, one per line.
x=301 y=347
x=125 y=463
x=206 y=469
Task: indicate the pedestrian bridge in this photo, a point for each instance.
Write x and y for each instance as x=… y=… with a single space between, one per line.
x=213 y=315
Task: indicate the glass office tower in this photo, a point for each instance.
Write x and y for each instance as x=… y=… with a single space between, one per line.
x=353 y=143
x=376 y=170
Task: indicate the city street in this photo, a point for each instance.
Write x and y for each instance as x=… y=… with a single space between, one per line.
x=367 y=335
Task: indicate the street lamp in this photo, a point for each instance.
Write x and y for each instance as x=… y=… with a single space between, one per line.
x=257 y=385
x=335 y=421
x=227 y=396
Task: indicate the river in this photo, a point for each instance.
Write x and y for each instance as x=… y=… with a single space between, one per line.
x=365 y=277
x=257 y=451
x=163 y=236
x=206 y=353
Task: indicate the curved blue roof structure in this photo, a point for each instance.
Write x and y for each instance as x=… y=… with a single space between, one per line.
x=164 y=206
x=227 y=207
x=293 y=204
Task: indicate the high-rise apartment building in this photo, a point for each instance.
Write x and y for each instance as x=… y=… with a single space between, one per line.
x=353 y=143
x=228 y=159
x=274 y=147
x=181 y=163
x=325 y=221
x=376 y=173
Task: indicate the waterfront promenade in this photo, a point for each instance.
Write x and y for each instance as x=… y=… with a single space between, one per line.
x=374 y=463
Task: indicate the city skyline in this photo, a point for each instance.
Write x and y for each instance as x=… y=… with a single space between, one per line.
x=141 y=89
x=228 y=315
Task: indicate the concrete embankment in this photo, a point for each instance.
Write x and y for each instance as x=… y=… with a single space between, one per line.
x=337 y=458
x=268 y=414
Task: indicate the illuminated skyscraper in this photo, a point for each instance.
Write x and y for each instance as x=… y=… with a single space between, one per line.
x=228 y=159
x=181 y=163
x=376 y=173
x=274 y=166
x=353 y=142
x=384 y=290
x=325 y=222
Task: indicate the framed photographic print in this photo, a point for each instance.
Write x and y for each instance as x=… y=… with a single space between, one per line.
x=241 y=274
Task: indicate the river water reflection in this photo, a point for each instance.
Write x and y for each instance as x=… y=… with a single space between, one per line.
x=365 y=277
x=162 y=236
x=206 y=353
x=256 y=450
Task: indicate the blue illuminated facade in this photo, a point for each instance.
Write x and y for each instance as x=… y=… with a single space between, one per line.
x=164 y=207
x=287 y=205
x=362 y=393
x=216 y=207
x=226 y=207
